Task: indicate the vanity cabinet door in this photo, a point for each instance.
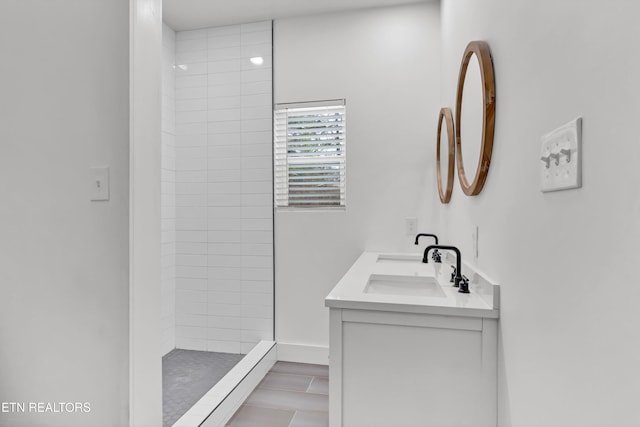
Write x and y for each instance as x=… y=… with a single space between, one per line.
x=414 y=370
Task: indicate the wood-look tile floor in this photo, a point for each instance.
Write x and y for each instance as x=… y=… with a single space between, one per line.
x=290 y=395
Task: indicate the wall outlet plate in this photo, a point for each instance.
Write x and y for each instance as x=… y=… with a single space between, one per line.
x=561 y=158
x=411 y=226
x=475 y=240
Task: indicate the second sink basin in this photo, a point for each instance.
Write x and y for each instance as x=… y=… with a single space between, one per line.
x=399 y=258
x=404 y=285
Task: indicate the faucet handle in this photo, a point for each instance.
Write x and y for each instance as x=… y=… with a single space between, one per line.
x=453 y=274
x=464 y=285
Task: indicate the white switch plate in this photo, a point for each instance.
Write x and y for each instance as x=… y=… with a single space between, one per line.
x=561 y=158
x=411 y=226
x=99 y=183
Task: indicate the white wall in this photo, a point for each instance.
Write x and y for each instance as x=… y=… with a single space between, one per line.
x=386 y=64
x=224 y=218
x=168 y=189
x=64 y=263
x=566 y=260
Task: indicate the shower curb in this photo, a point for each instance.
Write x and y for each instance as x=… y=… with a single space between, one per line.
x=219 y=404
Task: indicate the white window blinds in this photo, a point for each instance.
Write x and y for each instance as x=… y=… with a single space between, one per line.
x=309 y=154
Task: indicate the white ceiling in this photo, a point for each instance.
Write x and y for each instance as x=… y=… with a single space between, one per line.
x=191 y=14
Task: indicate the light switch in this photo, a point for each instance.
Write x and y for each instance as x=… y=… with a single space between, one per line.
x=99 y=183
x=561 y=158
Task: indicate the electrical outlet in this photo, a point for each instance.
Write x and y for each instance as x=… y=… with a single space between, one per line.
x=411 y=226
x=561 y=158
x=474 y=240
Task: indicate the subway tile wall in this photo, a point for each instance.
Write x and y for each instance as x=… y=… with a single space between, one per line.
x=168 y=190
x=223 y=188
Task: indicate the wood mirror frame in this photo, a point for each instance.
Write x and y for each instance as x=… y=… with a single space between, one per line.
x=483 y=54
x=446 y=115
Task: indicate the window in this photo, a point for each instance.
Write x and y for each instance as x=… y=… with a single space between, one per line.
x=309 y=154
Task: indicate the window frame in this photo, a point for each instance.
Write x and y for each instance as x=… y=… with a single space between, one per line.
x=282 y=187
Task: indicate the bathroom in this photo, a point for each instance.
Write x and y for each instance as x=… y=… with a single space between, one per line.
x=88 y=312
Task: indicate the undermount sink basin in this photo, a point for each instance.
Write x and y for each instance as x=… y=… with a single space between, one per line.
x=423 y=286
x=399 y=258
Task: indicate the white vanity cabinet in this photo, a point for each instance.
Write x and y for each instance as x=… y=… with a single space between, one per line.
x=411 y=362
x=406 y=369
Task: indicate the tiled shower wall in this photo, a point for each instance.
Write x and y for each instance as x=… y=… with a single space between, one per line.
x=224 y=214
x=168 y=190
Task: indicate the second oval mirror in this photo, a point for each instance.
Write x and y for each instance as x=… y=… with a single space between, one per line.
x=445 y=155
x=475 y=117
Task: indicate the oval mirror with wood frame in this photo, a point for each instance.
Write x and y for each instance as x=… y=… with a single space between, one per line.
x=480 y=50
x=446 y=117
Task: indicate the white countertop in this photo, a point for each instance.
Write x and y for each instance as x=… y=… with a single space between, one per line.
x=483 y=301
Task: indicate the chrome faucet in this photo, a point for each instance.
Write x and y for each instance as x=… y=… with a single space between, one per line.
x=459 y=281
x=436 y=256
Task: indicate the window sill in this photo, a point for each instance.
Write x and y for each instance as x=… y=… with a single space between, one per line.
x=323 y=209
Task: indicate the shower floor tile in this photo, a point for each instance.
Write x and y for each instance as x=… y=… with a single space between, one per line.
x=291 y=395
x=187 y=375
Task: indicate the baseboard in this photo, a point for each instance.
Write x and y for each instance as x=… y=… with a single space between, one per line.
x=301 y=353
x=223 y=400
